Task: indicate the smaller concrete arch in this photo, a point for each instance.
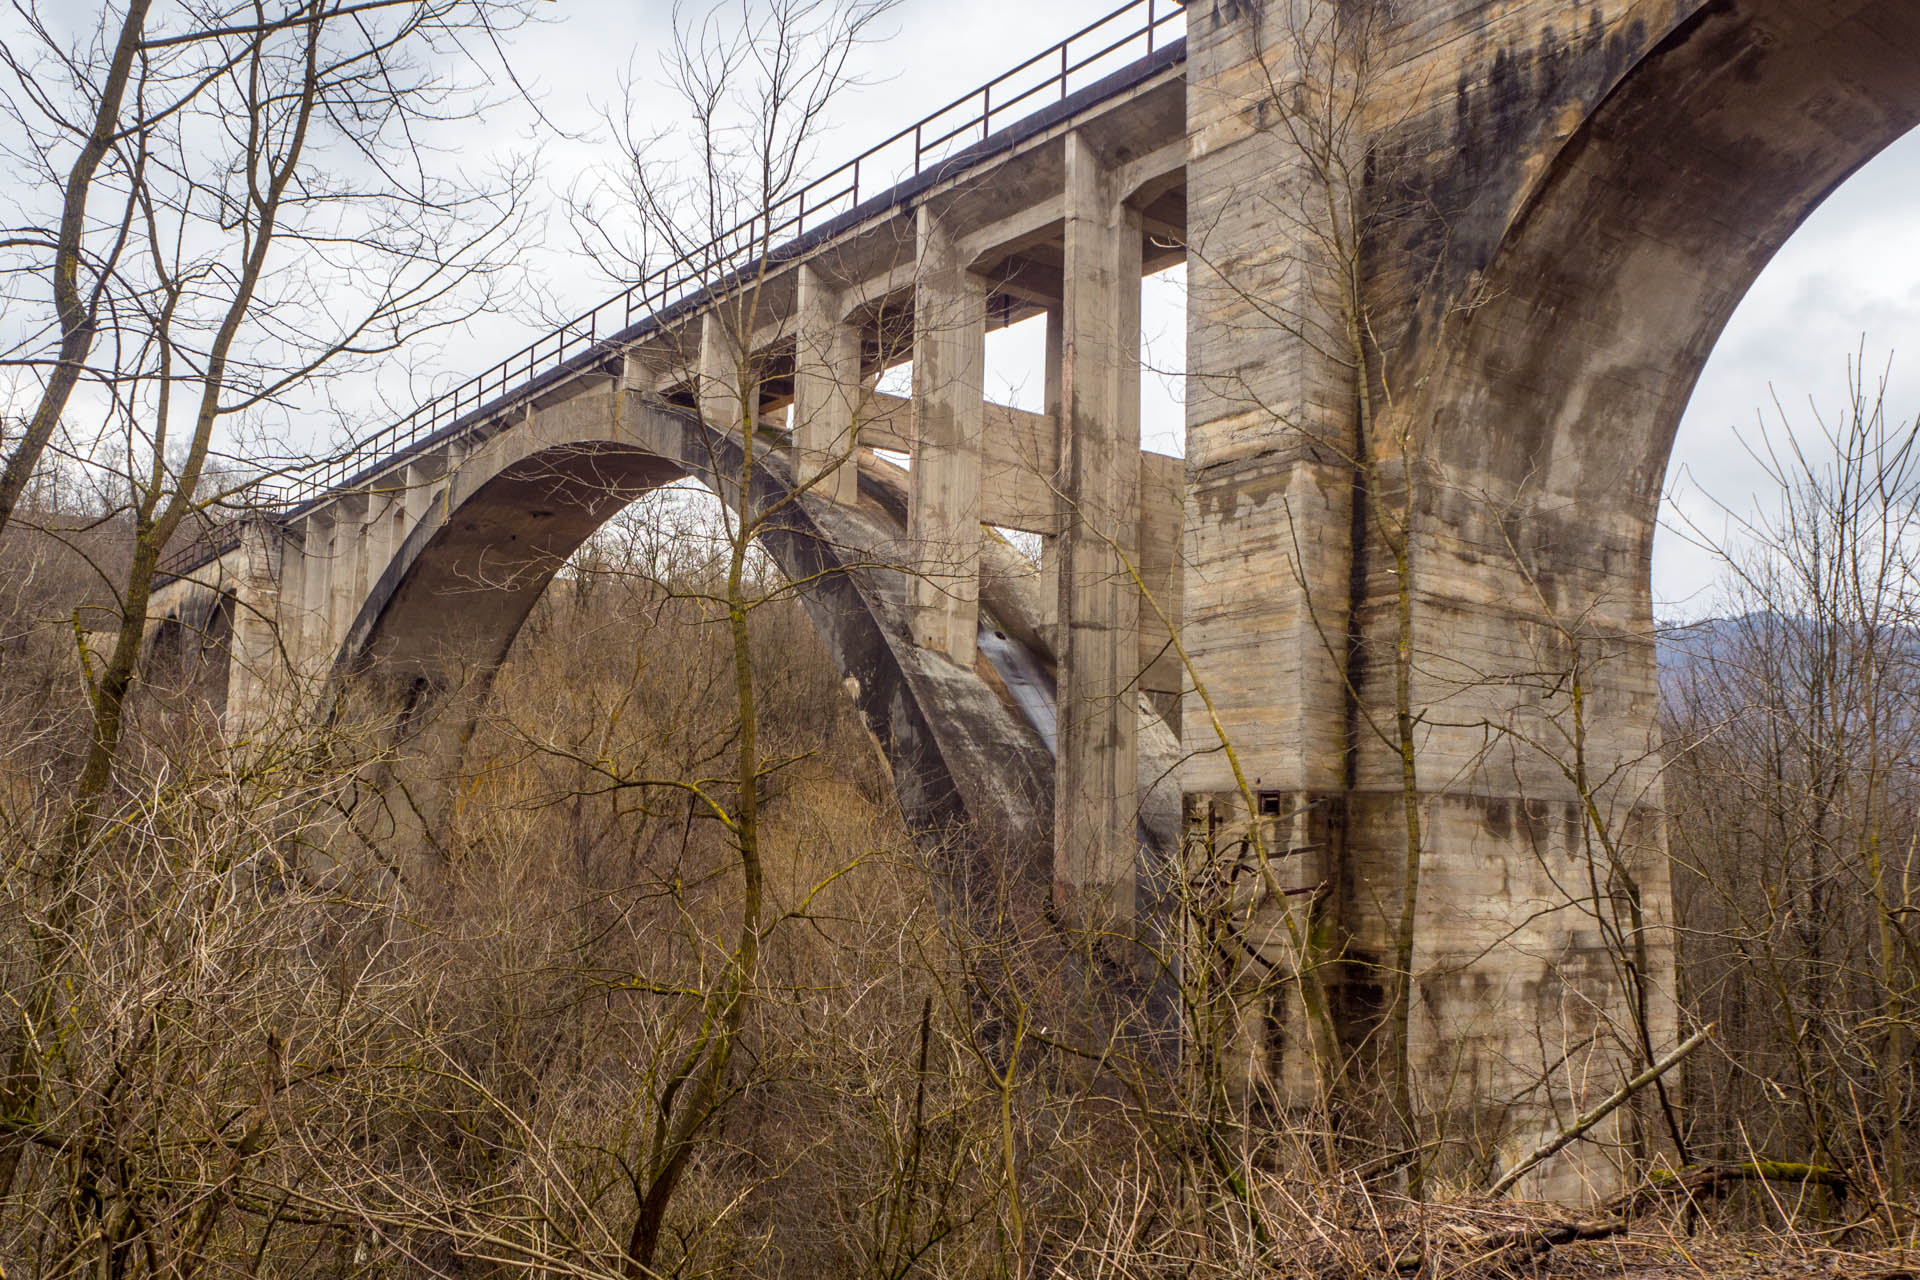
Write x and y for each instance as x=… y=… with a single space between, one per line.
x=189 y=641
x=441 y=615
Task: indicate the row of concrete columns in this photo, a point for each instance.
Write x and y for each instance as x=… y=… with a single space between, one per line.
x=1092 y=396
x=1093 y=344
x=323 y=576
x=1089 y=562
x=1090 y=559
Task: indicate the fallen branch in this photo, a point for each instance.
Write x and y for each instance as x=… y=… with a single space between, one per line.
x=1716 y=1179
x=1566 y=1136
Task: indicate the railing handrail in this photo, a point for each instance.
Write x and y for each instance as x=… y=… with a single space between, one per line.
x=715 y=259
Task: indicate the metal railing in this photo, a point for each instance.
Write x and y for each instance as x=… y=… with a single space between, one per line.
x=1134 y=31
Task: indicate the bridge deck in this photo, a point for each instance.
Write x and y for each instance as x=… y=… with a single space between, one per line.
x=1129 y=71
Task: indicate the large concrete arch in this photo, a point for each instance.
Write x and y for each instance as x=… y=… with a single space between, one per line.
x=1593 y=313
x=1544 y=410
x=1552 y=355
x=439 y=619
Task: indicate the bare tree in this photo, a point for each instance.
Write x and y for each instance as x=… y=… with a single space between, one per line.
x=756 y=80
x=1793 y=719
x=1341 y=197
x=100 y=73
x=261 y=150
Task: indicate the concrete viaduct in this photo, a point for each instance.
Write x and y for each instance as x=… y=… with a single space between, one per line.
x=1453 y=268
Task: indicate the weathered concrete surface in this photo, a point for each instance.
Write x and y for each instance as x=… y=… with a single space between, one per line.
x=949 y=370
x=1558 y=206
x=1453 y=269
x=827 y=390
x=1095 y=773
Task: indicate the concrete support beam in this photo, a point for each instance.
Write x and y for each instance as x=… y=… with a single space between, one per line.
x=646 y=369
x=292 y=611
x=375 y=522
x=724 y=385
x=449 y=495
x=943 y=520
x=1018 y=458
x=1163 y=492
x=1095 y=803
x=724 y=403
x=827 y=391
x=423 y=477
x=364 y=557
x=1052 y=393
x=346 y=567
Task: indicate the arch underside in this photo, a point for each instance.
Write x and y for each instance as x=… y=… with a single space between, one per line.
x=973 y=777
x=1588 y=326
x=1550 y=375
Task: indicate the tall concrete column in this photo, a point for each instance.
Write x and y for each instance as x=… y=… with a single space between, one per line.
x=456 y=452
x=722 y=366
x=317 y=640
x=383 y=504
x=292 y=610
x=422 y=477
x=725 y=404
x=1049 y=620
x=255 y=673
x=369 y=554
x=826 y=391
x=949 y=415
x=345 y=577
x=1095 y=805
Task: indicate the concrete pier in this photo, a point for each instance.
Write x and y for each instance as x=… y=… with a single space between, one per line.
x=827 y=390
x=949 y=417
x=1096 y=777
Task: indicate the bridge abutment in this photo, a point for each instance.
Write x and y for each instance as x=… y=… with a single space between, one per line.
x=1437 y=720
